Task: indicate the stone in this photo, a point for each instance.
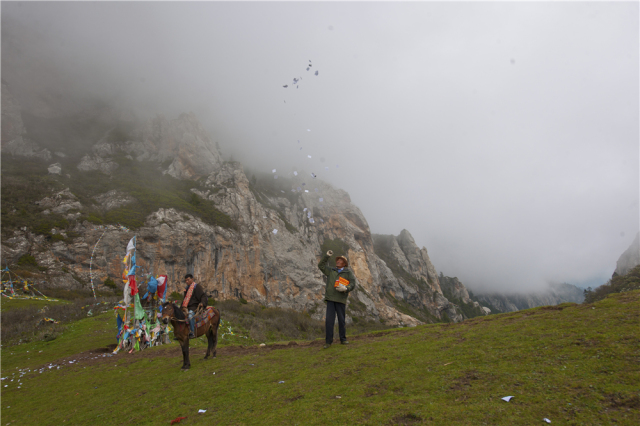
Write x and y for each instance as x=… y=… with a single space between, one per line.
x=55 y=169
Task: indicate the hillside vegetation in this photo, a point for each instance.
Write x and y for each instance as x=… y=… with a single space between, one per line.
x=26 y=181
x=617 y=284
x=573 y=364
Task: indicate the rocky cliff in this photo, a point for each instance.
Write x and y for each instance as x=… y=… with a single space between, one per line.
x=264 y=250
x=630 y=258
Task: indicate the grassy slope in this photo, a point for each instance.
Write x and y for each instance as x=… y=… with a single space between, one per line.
x=572 y=364
x=17 y=303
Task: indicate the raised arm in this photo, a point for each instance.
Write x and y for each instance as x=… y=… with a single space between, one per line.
x=322 y=265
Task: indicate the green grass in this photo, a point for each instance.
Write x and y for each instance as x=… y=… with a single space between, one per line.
x=573 y=364
x=9 y=304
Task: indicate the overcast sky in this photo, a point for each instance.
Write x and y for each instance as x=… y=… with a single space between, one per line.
x=503 y=136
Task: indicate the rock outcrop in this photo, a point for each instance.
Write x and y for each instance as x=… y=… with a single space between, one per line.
x=268 y=255
x=630 y=258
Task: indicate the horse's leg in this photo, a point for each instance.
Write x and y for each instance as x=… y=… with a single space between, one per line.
x=209 y=341
x=215 y=337
x=185 y=354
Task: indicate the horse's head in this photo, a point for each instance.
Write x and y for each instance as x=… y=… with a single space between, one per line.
x=167 y=312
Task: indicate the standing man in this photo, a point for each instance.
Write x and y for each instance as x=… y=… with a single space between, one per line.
x=194 y=299
x=340 y=281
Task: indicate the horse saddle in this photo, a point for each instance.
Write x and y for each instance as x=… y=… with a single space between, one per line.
x=205 y=316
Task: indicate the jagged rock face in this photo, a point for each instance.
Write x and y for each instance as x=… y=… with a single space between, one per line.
x=61 y=203
x=95 y=162
x=455 y=288
x=250 y=261
x=630 y=258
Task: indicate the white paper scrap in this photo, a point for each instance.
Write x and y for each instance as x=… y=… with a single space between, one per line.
x=273 y=171
x=295 y=173
x=309 y=156
x=306 y=190
x=275 y=231
x=507 y=398
x=202 y=411
x=546 y=420
x=281 y=381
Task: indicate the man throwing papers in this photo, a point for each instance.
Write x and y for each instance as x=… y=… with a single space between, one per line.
x=340 y=281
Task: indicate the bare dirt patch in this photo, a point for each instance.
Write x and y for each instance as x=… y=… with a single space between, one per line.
x=466 y=380
x=406 y=419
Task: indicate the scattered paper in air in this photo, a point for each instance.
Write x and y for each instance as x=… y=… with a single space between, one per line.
x=304 y=210
x=273 y=171
x=507 y=398
x=308 y=130
x=309 y=156
x=295 y=173
x=306 y=190
x=313 y=175
x=275 y=231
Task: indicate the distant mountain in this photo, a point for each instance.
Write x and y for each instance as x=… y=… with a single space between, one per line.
x=553 y=295
x=630 y=258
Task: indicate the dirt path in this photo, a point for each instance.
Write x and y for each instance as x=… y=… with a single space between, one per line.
x=102 y=355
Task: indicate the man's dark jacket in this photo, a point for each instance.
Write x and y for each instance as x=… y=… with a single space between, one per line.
x=197 y=297
x=332 y=274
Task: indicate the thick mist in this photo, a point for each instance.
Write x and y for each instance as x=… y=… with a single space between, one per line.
x=503 y=136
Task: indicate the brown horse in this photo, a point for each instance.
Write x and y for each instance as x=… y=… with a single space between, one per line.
x=180 y=323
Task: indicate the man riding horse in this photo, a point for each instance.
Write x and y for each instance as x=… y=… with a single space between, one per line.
x=195 y=300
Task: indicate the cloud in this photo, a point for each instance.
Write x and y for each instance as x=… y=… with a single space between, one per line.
x=504 y=136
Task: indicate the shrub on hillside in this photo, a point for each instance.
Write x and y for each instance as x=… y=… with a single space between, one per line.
x=617 y=284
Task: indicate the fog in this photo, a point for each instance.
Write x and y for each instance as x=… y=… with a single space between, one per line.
x=503 y=136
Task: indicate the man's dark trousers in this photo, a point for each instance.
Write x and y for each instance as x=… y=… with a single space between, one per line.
x=334 y=308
